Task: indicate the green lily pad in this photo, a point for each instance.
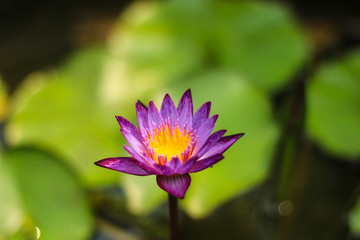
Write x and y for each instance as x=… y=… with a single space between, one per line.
x=51 y=194
x=11 y=216
x=260 y=41
x=147 y=50
x=354 y=219
x=65 y=110
x=162 y=42
x=333 y=113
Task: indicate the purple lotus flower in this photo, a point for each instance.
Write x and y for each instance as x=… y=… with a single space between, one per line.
x=171 y=143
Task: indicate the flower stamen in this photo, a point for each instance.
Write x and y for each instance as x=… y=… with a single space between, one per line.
x=167 y=142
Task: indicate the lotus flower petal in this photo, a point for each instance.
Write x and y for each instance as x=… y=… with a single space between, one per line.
x=155 y=119
x=204 y=132
x=129 y=127
x=142 y=117
x=176 y=185
x=186 y=97
x=168 y=111
x=125 y=165
x=185 y=118
x=222 y=145
x=201 y=115
x=205 y=163
x=210 y=142
x=133 y=141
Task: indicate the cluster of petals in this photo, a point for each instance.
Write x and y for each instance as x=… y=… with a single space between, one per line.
x=171 y=143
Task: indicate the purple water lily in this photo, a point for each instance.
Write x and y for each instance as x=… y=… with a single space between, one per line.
x=171 y=143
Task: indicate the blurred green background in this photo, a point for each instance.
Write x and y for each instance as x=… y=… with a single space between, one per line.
x=287 y=73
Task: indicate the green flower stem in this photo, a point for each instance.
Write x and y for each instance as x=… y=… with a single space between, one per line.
x=174 y=218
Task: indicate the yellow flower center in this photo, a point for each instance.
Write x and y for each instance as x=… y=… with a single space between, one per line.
x=166 y=142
